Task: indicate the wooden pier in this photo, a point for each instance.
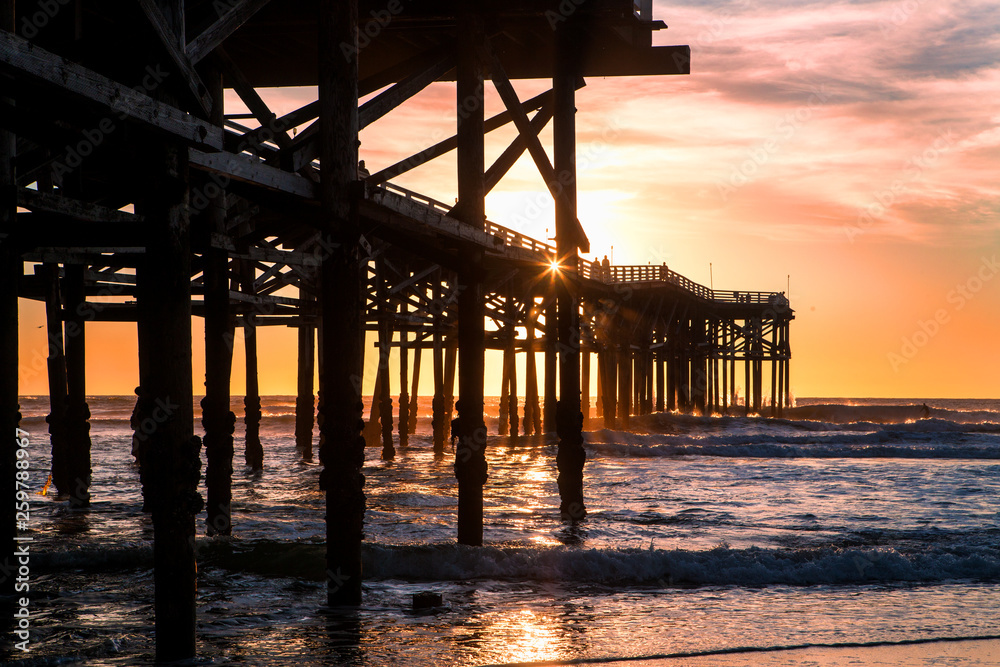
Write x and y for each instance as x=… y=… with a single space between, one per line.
x=122 y=175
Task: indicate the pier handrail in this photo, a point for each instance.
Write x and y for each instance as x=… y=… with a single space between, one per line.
x=621 y=273
x=647 y=273
x=509 y=236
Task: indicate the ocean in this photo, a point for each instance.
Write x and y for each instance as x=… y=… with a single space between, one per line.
x=846 y=522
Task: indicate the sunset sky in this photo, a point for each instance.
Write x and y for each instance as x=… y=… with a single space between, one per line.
x=849 y=146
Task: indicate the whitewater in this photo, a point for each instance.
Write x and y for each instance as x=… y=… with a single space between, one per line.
x=845 y=521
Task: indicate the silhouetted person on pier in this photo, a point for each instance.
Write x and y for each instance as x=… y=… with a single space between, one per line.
x=605 y=269
x=595 y=269
x=663 y=272
x=925 y=412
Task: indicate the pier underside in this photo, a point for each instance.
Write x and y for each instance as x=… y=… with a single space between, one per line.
x=128 y=194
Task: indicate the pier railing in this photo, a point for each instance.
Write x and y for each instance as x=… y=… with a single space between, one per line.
x=640 y=273
x=647 y=273
x=509 y=236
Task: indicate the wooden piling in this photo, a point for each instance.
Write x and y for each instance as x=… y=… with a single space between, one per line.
x=10 y=274
x=439 y=424
x=661 y=380
x=411 y=423
x=608 y=363
x=450 y=364
x=56 y=366
x=532 y=415
x=550 y=377
x=253 y=452
x=403 y=425
x=571 y=456
x=218 y=420
x=342 y=447
x=624 y=383
x=386 y=315
x=174 y=465
x=77 y=411
x=470 y=455
x=503 y=422
x=305 y=399
x=671 y=369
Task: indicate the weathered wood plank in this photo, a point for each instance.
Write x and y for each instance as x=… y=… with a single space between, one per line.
x=254 y=172
x=44 y=202
x=20 y=57
x=181 y=62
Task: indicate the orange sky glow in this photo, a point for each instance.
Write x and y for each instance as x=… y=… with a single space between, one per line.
x=848 y=150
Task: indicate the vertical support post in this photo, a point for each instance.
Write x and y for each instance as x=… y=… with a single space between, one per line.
x=609 y=365
x=624 y=383
x=512 y=382
x=173 y=451
x=56 y=366
x=217 y=419
x=774 y=368
x=411 y=423
x=503 y=423
x=661 y=383
x=342 y=447
x=599 y=398
x=371 y=430
x=724 y=353
x=788 y=362
x=254 y=452
x=549 y=379
x=386 y=314
x=438 y=421
x=747 y=355
x=571 y=456
x=714 y=352
x=10 y=274
x=585 y=384
x=671 y=371
x=470 y=455
x=758 y=364
x=699 y=363
x=532 y=418
x=305 y=400
x=779 y=368
x=450 y=362
x=77 y=410
x=648 y=364
x=403 y=425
